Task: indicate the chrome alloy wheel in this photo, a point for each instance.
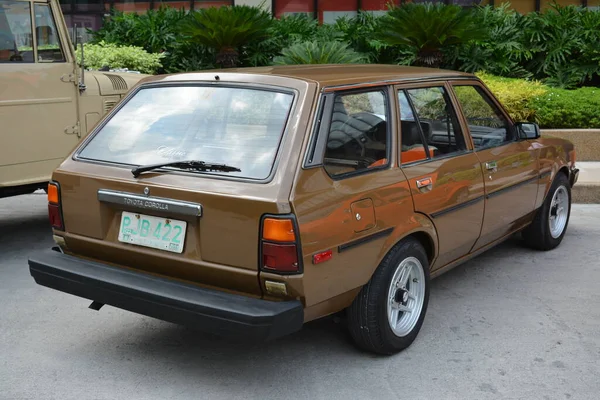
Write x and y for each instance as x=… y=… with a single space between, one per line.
x=405 y=296
x=559 y=211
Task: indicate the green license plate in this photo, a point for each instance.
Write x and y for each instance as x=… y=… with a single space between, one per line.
x=148 y=231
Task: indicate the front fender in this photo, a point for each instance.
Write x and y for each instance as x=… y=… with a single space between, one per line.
x=555 y=156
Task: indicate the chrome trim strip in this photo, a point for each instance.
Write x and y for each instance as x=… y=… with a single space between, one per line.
x=150 y=203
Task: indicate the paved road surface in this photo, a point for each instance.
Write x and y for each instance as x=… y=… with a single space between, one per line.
x=511 y=324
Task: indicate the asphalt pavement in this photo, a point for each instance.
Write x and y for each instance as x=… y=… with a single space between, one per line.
x=511 y=324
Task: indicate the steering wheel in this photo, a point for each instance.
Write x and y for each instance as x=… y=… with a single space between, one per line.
x=363 y=138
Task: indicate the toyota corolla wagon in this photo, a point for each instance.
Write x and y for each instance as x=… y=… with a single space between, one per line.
x=248 y=202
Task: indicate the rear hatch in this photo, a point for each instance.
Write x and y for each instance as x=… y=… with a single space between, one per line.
x=194 y=225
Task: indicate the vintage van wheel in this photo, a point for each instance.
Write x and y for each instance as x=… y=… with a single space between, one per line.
x=387 y=314
x=550 y=223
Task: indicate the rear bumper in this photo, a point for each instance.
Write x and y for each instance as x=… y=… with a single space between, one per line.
x=573 y=176
x=204 y=309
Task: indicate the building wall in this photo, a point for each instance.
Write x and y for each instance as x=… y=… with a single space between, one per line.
x=89 y=13
x=254 y=3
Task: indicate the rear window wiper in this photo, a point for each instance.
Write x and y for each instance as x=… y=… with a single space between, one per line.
x=187 y=165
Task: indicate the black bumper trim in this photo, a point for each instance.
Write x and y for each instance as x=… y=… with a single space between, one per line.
x=573 y=176
x=209 y=310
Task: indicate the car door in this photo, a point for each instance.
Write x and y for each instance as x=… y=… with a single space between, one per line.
x=38 y=94
x=509 y=164
x=444 y=174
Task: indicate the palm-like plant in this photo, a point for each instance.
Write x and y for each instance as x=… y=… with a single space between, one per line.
x=503 y=48
x=360 y=32
x=318 y=52
x=428 y=29
x=226 y=29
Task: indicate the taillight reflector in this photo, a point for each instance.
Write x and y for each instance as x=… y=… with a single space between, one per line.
x=52 y=193
x=55 y=217
x=54 y=206
x=280 y=257
x=278 y=230
x=321 y=257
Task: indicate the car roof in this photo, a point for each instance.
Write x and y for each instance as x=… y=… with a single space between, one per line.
x=336 y=74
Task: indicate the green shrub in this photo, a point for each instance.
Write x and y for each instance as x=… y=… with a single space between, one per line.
x=516 y=95
x=501 y=50
x=564 y=42
x=156 y=31
x=283 y=33
x=185 y=56
x=227 y=29
x=551 y=108
x=114 y=56
x=319 y=53
x=429 y=30
x=362 y=34
x=560 y=108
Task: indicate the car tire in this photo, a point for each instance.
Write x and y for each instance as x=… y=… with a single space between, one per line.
x=551 y=219
x=387 y=314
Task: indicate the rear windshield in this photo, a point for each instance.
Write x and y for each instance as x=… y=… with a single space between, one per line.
x=226 y=125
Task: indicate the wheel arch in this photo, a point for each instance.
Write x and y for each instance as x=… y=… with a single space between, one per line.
x=560 y=170
x=421 y=229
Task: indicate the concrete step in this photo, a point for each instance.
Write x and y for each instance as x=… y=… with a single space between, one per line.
x=587 y=188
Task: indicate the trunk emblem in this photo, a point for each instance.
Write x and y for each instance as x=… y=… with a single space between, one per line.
x=146 y=191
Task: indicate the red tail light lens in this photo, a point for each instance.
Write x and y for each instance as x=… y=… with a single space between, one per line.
x=280 y=257
x=54 y=207
x=279 y=245
x=54 y=214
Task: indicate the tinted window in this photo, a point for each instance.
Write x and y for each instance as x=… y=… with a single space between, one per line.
x=357 y=138
x=48 y=41
x=16 y=39
x=234 y=126
x=487 y=124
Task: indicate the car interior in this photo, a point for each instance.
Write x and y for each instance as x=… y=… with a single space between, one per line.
x=356 y=141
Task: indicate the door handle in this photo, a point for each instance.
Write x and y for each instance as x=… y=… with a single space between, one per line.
x=491 y=166
x=425 y=184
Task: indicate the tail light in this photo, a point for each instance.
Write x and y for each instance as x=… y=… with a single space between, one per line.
x=54 y=207
x=279 y=245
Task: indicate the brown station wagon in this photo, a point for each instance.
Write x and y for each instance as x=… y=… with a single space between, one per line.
x=248 y=202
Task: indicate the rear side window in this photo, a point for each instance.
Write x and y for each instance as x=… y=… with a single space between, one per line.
x=357 y=138
x=240 y=127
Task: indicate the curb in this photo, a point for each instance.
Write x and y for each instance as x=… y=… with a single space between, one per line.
x=586 y=193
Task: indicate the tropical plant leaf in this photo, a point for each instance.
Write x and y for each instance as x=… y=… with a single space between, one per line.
x=429 y=29
x=226 y=29
x=315 y=52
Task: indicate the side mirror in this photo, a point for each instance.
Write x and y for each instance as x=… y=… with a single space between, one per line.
x=528 y=130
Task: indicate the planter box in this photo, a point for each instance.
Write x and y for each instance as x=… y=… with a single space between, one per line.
x=586 y=141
